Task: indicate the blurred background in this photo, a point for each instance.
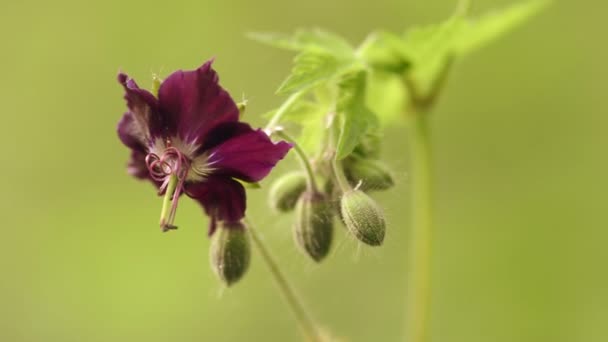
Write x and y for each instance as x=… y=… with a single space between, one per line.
x=520 y=140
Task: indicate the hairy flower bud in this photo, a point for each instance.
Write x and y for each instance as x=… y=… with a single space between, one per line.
x=313 y=229
x=230 y=252
x=372 y=174
x=286 y=190
x=363 y=217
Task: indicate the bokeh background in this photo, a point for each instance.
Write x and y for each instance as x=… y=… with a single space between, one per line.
x=520 y=139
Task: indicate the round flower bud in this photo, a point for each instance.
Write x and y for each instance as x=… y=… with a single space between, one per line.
x=230 y=252
x=286 y=190
x=313 y=229
x=363 y=217
x=372 y=174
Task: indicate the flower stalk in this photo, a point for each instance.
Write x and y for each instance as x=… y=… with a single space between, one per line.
x=421 y=236
x=310 y=175
x=418 y=291
x=304 y=318
x=278 y=115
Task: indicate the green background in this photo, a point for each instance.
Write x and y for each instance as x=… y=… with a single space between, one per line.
x=520 y=140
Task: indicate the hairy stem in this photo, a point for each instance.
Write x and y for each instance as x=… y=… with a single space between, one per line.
x=278 y=115
x=421 y=236
x=304 y=318
x=312 y=184
x=336 y=166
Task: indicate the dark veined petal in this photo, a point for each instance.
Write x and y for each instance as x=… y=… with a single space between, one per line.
x=249 y=156
x=146 y=120
x=222 y=197
x=193 y=103
x=222 y=133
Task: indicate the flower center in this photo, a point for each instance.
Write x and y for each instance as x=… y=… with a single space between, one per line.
x=170 y=169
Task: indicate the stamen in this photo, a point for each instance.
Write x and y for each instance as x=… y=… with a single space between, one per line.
x=171 y=169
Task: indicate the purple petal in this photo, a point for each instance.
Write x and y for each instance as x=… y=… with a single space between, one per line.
x=129 y=133
x=222 y=197
x=136 y=166
x=144 y=108
x=193 y=103
x=223 y=132
x=249 y=156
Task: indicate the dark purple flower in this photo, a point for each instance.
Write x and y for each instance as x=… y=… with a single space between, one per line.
x=189 y=140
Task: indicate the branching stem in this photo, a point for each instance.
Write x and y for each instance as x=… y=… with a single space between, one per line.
x=278 y=115
x=311 y=181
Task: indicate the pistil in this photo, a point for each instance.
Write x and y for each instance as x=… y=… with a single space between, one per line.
x=171 y=169
x=167 y=213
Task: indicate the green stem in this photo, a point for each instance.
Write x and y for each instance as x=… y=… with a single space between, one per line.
x=304 y=318
x=339 y=176
x=336 y=167
x=312 y=184
x=421 y=237
x=278 y=115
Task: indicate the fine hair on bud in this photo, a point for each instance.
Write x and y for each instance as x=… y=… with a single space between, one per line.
x=363 y=217
x=286 y=190
x=313 y=228
x=230 y=252
x=371 y=174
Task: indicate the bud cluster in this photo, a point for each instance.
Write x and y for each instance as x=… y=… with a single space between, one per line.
x=343 y=194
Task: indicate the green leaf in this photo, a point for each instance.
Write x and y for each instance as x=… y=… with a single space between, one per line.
x=299 y=111
x=385 y=51
x=429 y=48
x=310 y=117
x=458 y=36
x=313 y=135
x=315 y=40
x=356 y=118
x=493 y=25
x=311 y=69
x=386 y=96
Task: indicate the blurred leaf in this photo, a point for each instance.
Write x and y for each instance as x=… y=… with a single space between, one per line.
x=310 y=117
x=354 y=113
x=370 y=145
x=491 y=26
x=315 y=40
x=313 y=133
x=310 y=69
x=297 y=112
x=385 y=51
x=429 y=48
x=386 y=95
x=322 y=55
